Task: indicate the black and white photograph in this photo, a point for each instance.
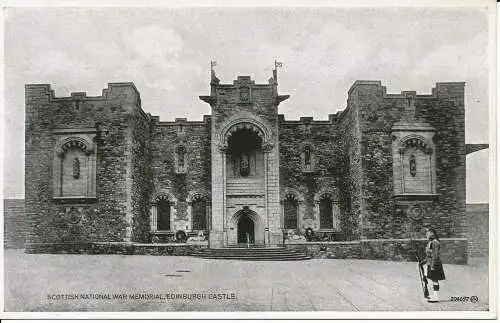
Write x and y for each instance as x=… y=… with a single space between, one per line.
x=330 y=160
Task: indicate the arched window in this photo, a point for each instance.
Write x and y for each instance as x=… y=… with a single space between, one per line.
x=326 y=212
x=163 y=209
x=163 y=214
x=291 y=210
x=199 y=214
x=74 y=173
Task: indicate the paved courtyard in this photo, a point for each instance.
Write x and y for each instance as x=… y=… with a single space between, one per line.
x=85 y=282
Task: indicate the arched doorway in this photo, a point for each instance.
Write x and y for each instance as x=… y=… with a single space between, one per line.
x=246 y=230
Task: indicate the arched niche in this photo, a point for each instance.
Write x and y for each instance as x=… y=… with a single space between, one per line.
x=244 y=153
x=416 y=165
x=74 y=167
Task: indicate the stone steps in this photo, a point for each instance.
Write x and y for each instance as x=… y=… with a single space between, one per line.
x=255 y=253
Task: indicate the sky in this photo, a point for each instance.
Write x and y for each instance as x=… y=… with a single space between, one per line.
x=166 y=52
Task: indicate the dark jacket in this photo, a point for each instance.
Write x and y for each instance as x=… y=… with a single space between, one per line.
x=432 y=251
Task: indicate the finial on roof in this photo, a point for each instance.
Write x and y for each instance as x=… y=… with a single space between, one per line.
x=213 y=78
x=275 y=70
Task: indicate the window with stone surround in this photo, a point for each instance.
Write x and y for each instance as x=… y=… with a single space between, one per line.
x=325 y=213
x=163 y=207
x=291 y=212
x=326 y=208
x=199 y=214
x=74 y=170
x=163 y=214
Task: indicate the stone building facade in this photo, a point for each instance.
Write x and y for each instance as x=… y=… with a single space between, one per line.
x=100 y=169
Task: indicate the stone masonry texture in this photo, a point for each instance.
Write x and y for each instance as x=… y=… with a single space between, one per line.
x=352 y=153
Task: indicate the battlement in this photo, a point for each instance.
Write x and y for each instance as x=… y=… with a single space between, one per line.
x=441 y=89
x=182 y=121
x=44 y=92
x=307 y=120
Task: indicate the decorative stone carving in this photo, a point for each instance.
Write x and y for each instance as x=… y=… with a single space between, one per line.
x=416 y=212
x=244 y=93
x=293 y=236
x=416 y=142
x=267 y=147
x=222 y=147
x=244 y=165
x=73 y=214
x=71 y=142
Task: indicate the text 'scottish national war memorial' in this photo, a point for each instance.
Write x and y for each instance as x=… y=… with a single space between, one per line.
x=362 y=183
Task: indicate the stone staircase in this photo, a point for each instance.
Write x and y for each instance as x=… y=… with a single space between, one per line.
x=252 y=253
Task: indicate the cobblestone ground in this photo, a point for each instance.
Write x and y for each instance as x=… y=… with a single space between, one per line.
x=314 y=285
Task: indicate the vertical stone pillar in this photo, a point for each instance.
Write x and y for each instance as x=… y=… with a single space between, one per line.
x=217 y=238
x=273 y=208
x=154 y=218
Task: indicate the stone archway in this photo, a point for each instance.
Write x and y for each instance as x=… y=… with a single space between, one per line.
x=246 y=220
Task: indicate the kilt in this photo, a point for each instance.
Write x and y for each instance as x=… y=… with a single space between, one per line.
x=437 y=273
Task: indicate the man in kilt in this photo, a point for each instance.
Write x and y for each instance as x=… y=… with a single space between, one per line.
x=435 y=270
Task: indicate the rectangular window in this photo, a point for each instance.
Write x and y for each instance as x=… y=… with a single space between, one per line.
x=326 y=214
x=199 y=215
x=291 y=214
x=163 y=209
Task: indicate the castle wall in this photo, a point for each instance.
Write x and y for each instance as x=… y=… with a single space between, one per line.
x=324 y=175
x=128 y=160
x=195 y=137
x=350 y=188
x=108 y=215
x=141 y=175
x=385 y=216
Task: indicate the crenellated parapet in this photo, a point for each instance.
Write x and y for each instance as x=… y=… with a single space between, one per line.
x=42 y=92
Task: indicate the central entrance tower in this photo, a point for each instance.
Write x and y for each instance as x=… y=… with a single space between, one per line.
x=245 y=161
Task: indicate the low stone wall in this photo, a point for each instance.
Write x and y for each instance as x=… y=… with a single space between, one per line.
x=119 y=248
x=453 y=251
x=325 y=250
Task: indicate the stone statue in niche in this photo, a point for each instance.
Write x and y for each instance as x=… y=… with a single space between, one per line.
x=244 y=93
x=307 y=155
x=244 y=165
x=413 y=165
x=76 y=168
x=181 y=154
